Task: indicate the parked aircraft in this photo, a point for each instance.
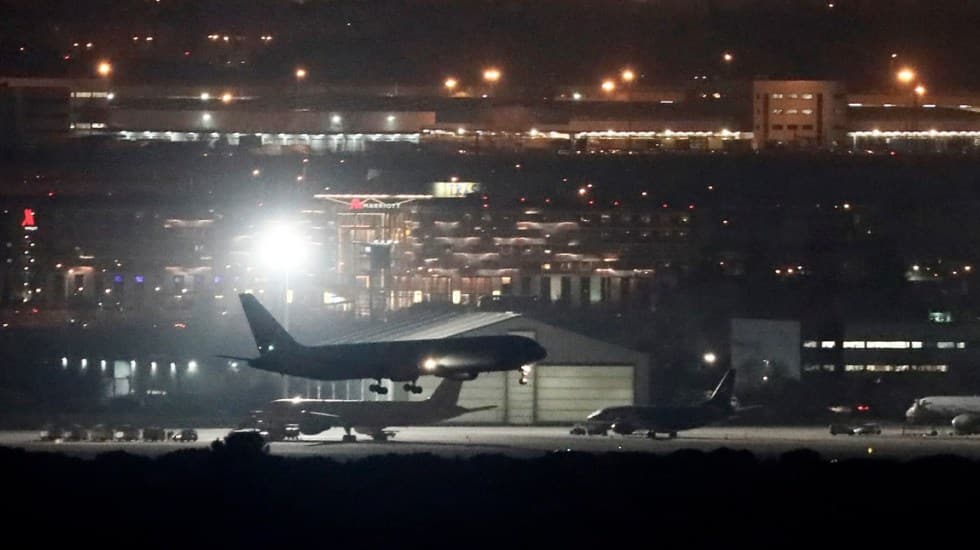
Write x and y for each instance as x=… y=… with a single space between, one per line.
x=457 y=358
x=312 y=416
x=961 y=411
x=666 y=419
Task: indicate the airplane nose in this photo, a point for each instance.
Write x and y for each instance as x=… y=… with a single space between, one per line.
x=913 y=413
x=539 y=352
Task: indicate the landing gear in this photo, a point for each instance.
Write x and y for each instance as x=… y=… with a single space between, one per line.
x=378 y=388
x=348 y=437
x=413 y=387
x=379 y=436
x=672 y=435
x=525 y=371
x=652 y=434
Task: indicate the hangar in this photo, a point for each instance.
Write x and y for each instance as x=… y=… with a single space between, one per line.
x=580 y=374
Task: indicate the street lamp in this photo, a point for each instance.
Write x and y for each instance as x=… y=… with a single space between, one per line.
x=628 y=76
x=300 y=73
x=451 y=84
x=609 y=86
x=104 y=69
x=710 y=358
x=491 y=76
x=905 y=75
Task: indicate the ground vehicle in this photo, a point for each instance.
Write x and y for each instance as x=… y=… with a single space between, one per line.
x=839 y=429
x=126 y=432
x=185 y=435
x=153 y=433
x=52 y=433
x=869 y=428
x=586 y=429
x=291 y=431
x=100 y=433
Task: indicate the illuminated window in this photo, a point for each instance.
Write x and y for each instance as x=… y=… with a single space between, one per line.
x=853 y=344
x=806 y=96
x=828 y=344
x=916 y=345
x=853 y=368
x=888 y=344
x=807 y=111
x=945 y=345
x=810 y=344
x=776 y=96
x=791 y=111
x=777 y=111
x=960 y=345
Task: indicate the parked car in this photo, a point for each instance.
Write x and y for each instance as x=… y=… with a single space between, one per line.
x=126 y=432
x=869 y=428
x=841 y=429
x=52 y=433
x=185 y=435
x=100 y=433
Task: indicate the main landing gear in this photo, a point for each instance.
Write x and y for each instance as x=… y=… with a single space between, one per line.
x=525 y=371
x=378 y=388
x=413 y=387
x=348 y=437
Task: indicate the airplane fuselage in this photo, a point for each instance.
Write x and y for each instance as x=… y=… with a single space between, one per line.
x=660 y=419
x=404 y=360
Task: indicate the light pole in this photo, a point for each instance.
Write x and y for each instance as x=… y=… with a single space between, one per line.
x=491 y=76
x=906 y=76
x=628 y=76
x=300 y=77
x=280 y=247
x=450 y=85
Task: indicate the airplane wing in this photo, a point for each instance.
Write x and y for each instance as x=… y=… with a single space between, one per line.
x=486 y=408
x=323 y=415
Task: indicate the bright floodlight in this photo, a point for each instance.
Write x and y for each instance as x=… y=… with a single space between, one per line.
x=491 y=75
x=906 y=75
x=628 y=75
x=608 y=85
x=300 y=73
x=920 y=90
x=104 y=68
x=450 y=83
x=710 y=358
x=280 y=246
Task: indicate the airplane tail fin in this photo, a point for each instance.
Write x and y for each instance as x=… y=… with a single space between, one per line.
x=724 y=391
x=446 y=393
x=268 y=333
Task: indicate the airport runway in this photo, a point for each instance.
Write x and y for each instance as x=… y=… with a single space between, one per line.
x=527 y=442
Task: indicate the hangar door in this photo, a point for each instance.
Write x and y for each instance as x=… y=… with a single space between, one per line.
x=570 y=393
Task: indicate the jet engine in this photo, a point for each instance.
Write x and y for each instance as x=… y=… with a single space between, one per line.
x=966 y=424
x=310 y=424
x=622 y=428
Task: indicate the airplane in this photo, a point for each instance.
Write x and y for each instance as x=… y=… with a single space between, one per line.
x=312 y=416
x=961 y=411
x=625 y=420
x=457 y=358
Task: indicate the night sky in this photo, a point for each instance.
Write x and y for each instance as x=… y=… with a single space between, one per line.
x=537 y=44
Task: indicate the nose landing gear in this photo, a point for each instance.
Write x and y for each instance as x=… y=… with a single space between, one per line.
x=525 y=372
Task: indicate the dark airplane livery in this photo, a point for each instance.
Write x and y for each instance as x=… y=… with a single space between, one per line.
x=312 y=416
x=667 y=419
x=458 y=358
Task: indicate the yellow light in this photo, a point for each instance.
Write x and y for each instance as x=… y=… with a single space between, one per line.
x=226 y=97
x=920 y=90
x=728 y=57
x=906 y=75
x=608 y=85
x=429 y=364
x=628 y=75
x=491 y=75
x=450 y=83
x=300 y=73
x=104 y=68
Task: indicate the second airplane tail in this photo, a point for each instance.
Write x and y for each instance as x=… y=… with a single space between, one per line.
x=268 y=333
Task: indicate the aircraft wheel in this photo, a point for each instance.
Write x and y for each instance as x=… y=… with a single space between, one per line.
x=673 y=435
x=652 y=435
x=417 y=389
x=382 y=390
x=349 y=438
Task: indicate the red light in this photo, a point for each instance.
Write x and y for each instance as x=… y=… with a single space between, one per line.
x=690 y=207
x=664 y=205
x=615 y=203
x=591 y=202
x=485 y=197
x=863 y=408
x=547 y=201
x=50 y=193
x=28 y=220
x=187 y=53
x=356 y=204
x=523 y=199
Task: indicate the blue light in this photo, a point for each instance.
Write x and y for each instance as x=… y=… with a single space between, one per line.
x=139 y=279
x=217 y=279
x=118 y=278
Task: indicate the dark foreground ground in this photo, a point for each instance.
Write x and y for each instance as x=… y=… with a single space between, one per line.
x=244 y=497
